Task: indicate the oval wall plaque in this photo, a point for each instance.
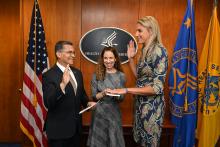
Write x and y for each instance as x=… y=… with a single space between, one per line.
x=92 y=43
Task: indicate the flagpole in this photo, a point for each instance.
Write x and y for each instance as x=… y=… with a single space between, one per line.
x=188 y=54
x=35 y=51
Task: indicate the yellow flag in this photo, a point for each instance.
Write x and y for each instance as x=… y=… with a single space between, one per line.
x=208 y=128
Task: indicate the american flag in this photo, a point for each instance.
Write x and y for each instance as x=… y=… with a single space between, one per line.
x=33 y=111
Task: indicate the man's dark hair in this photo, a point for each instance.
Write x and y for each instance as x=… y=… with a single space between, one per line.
x=59 y=45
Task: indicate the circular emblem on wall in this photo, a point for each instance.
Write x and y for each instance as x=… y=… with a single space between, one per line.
x=92 y=43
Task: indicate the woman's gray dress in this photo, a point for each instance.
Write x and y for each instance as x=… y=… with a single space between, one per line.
x=106 y=126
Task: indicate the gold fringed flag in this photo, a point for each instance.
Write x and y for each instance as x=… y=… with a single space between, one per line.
x=208 y=128
x=183 y=84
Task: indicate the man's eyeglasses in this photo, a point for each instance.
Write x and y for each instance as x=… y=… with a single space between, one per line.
x=69 y=52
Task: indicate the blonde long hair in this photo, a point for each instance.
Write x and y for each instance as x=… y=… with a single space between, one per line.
x=152 y=26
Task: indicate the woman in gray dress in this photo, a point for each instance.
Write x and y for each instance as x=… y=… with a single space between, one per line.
x=106 y=126
x=150 y=73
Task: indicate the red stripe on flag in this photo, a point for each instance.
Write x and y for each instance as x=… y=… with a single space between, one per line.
x=40 y=77
x=32 y=110
x=30 y=130
x=41 y=104
x=40 y=100
x=45 y=141
x=31 y=86
x=29 y=82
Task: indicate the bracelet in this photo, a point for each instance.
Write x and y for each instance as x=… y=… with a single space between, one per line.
x=126 y=90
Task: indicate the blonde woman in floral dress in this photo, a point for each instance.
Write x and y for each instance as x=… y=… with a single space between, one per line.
x=150 y=73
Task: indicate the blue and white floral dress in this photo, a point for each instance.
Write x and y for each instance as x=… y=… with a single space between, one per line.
x=149 y=110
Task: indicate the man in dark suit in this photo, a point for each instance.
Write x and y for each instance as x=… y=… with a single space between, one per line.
x=64 y=93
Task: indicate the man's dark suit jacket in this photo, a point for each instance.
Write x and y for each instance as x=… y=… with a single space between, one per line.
x=63 y=119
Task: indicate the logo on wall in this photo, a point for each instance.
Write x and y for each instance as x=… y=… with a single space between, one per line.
x=92 y=43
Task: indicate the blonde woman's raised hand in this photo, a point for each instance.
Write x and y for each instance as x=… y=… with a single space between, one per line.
x=131 y=49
